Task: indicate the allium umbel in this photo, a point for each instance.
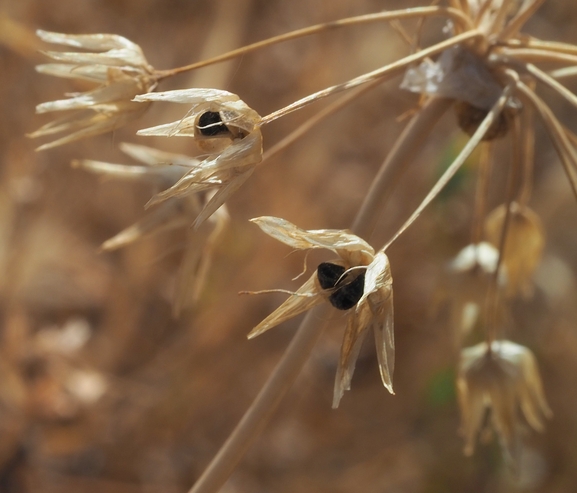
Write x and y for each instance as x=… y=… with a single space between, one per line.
x=359 y=280
x=115 y=64
x=503 y=378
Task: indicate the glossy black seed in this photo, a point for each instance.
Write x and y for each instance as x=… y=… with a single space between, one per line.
x=345 y=296
x=208 y=124
x=328 y=274
x=349 y=295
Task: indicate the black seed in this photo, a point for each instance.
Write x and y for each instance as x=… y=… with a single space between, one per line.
x=328 y=274
x=210 y=124
x=349 y=295
x=345 y=296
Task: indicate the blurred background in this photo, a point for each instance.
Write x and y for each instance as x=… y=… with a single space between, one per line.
x=103 y=390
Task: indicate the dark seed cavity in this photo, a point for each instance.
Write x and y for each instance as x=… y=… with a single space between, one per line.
x=210 y=124
x=346 y=294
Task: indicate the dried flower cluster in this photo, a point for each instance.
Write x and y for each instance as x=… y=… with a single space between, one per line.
x=485 y=67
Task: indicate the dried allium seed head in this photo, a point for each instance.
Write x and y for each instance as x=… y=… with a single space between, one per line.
x=119 y=68
x=503 y=379
x=523 y=247
x=370 y=293
x=224 y=127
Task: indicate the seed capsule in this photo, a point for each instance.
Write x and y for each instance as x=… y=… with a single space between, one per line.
x=469 y=118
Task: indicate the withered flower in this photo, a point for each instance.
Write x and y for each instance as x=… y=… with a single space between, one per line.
x=226 y=129
x=523 y=247
x=358 y=280
x=503 y=378
x=115 y=64
x=164 y=169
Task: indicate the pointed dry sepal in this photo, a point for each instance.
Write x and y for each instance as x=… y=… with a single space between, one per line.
x=347 y=245
x=359 y=281
x=226 y=129
x=119 y=68
x=504 y=378
x=305 y=298
x=374 y=310
x=523 y=246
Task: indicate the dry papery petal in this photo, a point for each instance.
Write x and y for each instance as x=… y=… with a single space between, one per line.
x=374 y=310
x=305 y=298
x=523 y=248
x=352 y=249
x=118 y=51
x=458 y=74
x=97 y=120
x=234 y=145
x=461 y=75
x=234 y=113
x=121 y=72
x=504 y=379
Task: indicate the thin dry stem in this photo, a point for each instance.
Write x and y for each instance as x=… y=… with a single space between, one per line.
x=562 y=145
x=534 y=55
x=553 y=46
x=528 y=132
x=520 y=19
x=512 y=185
x=386 y=71
x=452 y=13
x=483 y=179
x=457 y=163
x=305 y=127
x=501 y=16
x=552 y=83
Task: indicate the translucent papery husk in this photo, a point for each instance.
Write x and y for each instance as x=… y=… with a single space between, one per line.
x=504 y=379
x=119 y=69
x=462 y=75
x=97 y=120
x=523 y=248
x=305 y=298
x=116 y=50
x=121 y=89
x=352 y=249
x=374 y=310
x=458 y=74
x=239 y=157
x=233 y=111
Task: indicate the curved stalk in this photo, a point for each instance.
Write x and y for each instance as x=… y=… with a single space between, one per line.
x=452 y=13
x=457 y=163
x=386 y=71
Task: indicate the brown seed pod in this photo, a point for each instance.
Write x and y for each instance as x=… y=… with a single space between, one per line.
x=469 y=118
